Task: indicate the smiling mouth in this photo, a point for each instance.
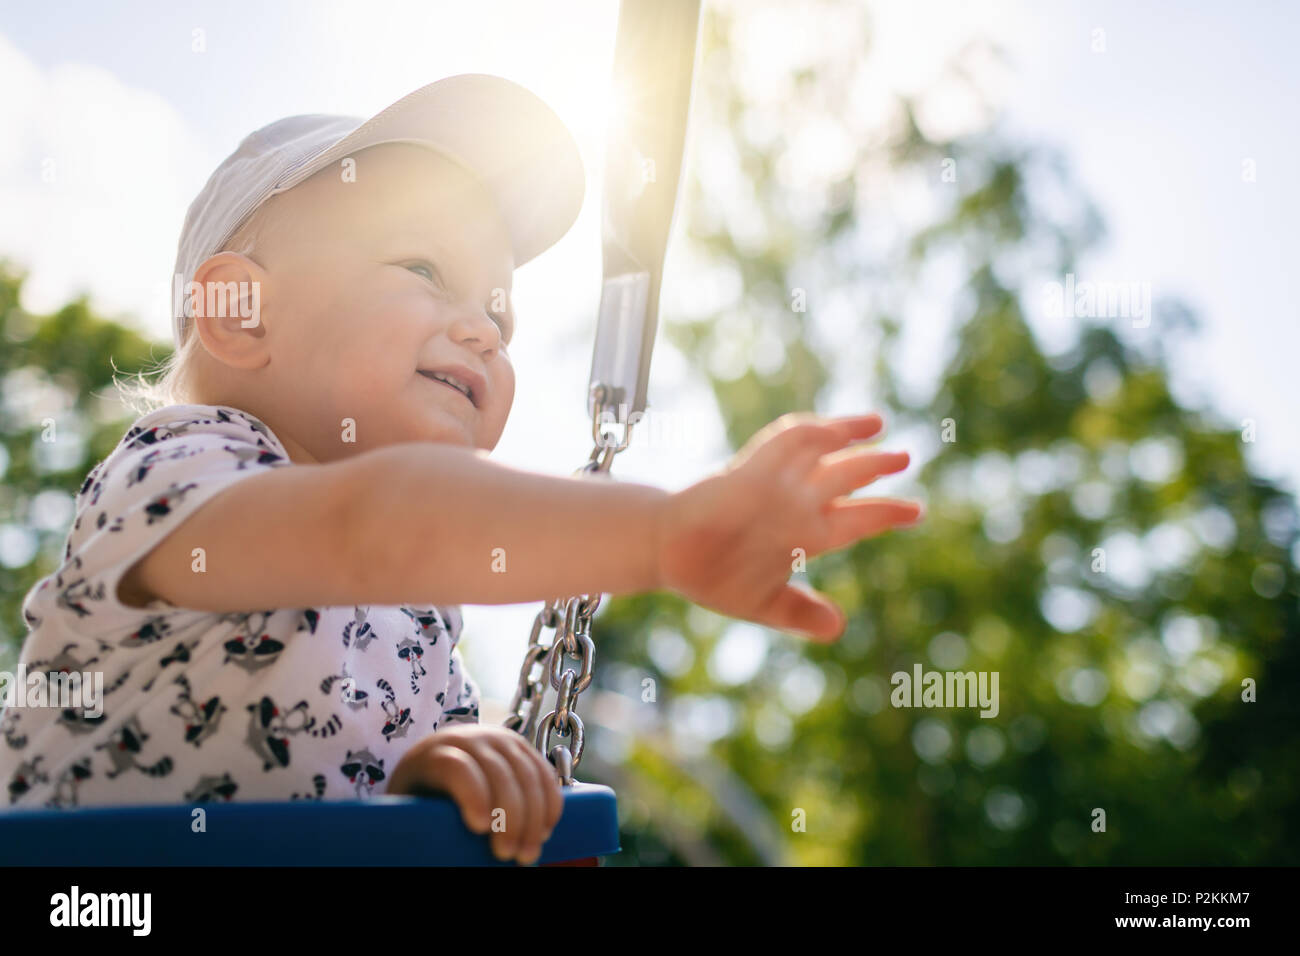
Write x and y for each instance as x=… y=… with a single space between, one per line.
x=450 y=387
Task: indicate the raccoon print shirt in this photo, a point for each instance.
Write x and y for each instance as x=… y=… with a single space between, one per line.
x=275 y=704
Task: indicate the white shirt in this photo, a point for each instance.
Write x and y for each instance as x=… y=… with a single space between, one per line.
x=274 y=704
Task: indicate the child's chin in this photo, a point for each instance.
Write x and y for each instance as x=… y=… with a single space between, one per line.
x=445 y=430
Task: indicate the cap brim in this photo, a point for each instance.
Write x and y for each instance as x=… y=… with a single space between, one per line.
x=499 y=131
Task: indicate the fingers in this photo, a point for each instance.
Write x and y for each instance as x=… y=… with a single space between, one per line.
x=852 y=519
x=799 y=439
x=503 y=786
x=839 y=433
x=843 y=472
x=552 y=793
x=456 y=772
x=506 y=796
x=542 y=798
x=805 y=613
x=858 y=427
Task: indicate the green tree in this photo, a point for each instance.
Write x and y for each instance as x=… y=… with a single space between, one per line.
x=1106 y=551
x=59 y=415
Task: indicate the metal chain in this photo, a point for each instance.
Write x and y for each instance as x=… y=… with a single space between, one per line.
x=571 y=620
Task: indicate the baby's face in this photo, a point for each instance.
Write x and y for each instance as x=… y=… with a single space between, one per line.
x=369 y=286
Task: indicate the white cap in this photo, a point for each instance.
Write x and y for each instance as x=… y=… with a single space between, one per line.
x=499 y=131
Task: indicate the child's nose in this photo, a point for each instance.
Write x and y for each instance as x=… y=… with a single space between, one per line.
x=473 y=324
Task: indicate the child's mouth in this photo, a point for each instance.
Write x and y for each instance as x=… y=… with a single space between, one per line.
x=437 y=381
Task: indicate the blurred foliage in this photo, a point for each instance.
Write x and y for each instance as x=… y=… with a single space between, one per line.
x=59 y=415
x=1119 y=689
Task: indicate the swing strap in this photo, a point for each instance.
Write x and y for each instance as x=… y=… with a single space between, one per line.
x=654 y=61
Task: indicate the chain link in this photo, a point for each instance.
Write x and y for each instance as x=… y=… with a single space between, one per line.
x=570 y=619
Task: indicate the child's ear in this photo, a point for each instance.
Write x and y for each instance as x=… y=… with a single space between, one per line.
x=226 y=295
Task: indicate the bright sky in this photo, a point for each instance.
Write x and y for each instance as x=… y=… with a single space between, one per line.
x=1157 y=128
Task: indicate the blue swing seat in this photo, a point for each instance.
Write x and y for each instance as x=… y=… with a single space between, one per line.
x=382 y=831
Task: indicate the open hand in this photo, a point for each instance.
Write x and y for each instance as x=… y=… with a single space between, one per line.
x=728 y=542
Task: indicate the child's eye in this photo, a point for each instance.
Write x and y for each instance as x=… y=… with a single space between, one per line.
x=428 y=268
x=430 y=272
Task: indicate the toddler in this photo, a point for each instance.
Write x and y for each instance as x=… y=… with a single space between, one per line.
x=267 y=571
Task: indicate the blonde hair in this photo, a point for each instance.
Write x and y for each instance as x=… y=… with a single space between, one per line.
x=171 y=381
